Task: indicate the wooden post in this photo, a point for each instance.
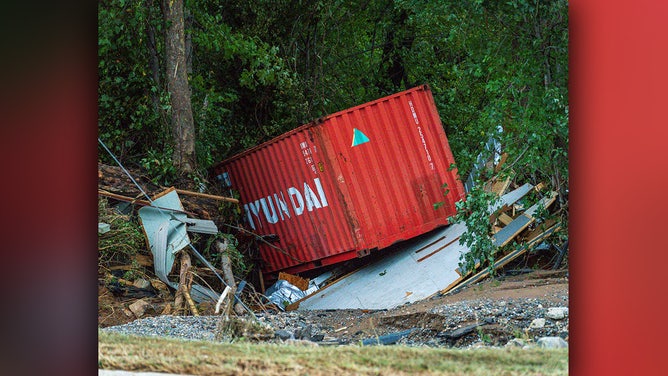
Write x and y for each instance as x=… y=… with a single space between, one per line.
x=228 y=275
x=182 y=291
x=226 y=263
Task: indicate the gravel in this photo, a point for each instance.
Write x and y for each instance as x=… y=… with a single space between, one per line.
x=183 y=327
x=464 y=324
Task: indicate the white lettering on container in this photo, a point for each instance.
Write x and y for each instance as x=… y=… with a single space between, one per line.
x=424 y=142
x=306 y=198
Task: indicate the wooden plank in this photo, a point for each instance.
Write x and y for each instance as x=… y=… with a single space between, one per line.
x=513 y=229
x=505 y=219
x=204 y=195
x=531 y=235
x=499 y=187
x=123 y=198
x=504 y=157
x=297 y=281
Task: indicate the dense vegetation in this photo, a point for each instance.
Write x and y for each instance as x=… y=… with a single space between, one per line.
x=259 y=68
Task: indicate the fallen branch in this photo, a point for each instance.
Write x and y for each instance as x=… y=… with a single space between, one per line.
x=222 y=299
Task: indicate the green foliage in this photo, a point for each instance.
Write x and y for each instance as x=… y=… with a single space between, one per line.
x=474 y=212
x=129 y=101
x=159 y=167
x=260 y=68
x=240 y=265
x=122 y=242
x=484 y=337
x=437 y=205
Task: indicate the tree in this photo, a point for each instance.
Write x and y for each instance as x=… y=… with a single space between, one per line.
x=183 y=126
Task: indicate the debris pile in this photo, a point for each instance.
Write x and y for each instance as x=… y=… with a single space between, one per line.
x=173 y=223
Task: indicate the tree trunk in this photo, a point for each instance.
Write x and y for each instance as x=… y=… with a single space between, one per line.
x=183 y=126
x=154 y=64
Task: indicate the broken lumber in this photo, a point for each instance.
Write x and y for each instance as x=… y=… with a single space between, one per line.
x=182 y=293
x=505 y=219
x=226 y=263
x=504 y=157
x=523 y=221
x=502 y=261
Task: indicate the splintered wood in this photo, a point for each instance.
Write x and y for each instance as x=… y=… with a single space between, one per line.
x=299 y=282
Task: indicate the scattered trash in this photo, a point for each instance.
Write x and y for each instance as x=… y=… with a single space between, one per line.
x=164 y=224
x=460 y=332
x=283 y=293
x=387 y=339
x=103 y=227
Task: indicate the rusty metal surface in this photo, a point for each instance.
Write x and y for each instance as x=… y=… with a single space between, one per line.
x=360 y=179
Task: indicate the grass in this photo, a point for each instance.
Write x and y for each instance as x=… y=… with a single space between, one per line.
x=147 y=354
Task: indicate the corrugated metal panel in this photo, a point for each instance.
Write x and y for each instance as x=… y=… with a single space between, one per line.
x=356 y=180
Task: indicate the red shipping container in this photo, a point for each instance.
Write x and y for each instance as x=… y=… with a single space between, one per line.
x=351 y=182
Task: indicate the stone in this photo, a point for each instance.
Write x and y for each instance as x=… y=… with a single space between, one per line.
x=103 y=228
x=557 y=313
x=284 y=334
x=141 y=283
x=552 y=343
x=239 y=309
x=515 y=342
x=139 y=307
x=537 y=323
x=317 y=337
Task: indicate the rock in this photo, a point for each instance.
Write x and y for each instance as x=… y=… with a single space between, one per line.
x=239 y=309
x=141 y=283
x=139 y=307
x=552 y=343
x=284 y=334
x=516 y=342
x=557 y=313
x=537 y=323
x=304 y=332
x=317 y=337
x=103 y=228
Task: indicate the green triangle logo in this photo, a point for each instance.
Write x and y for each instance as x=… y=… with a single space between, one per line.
x=359 y=137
